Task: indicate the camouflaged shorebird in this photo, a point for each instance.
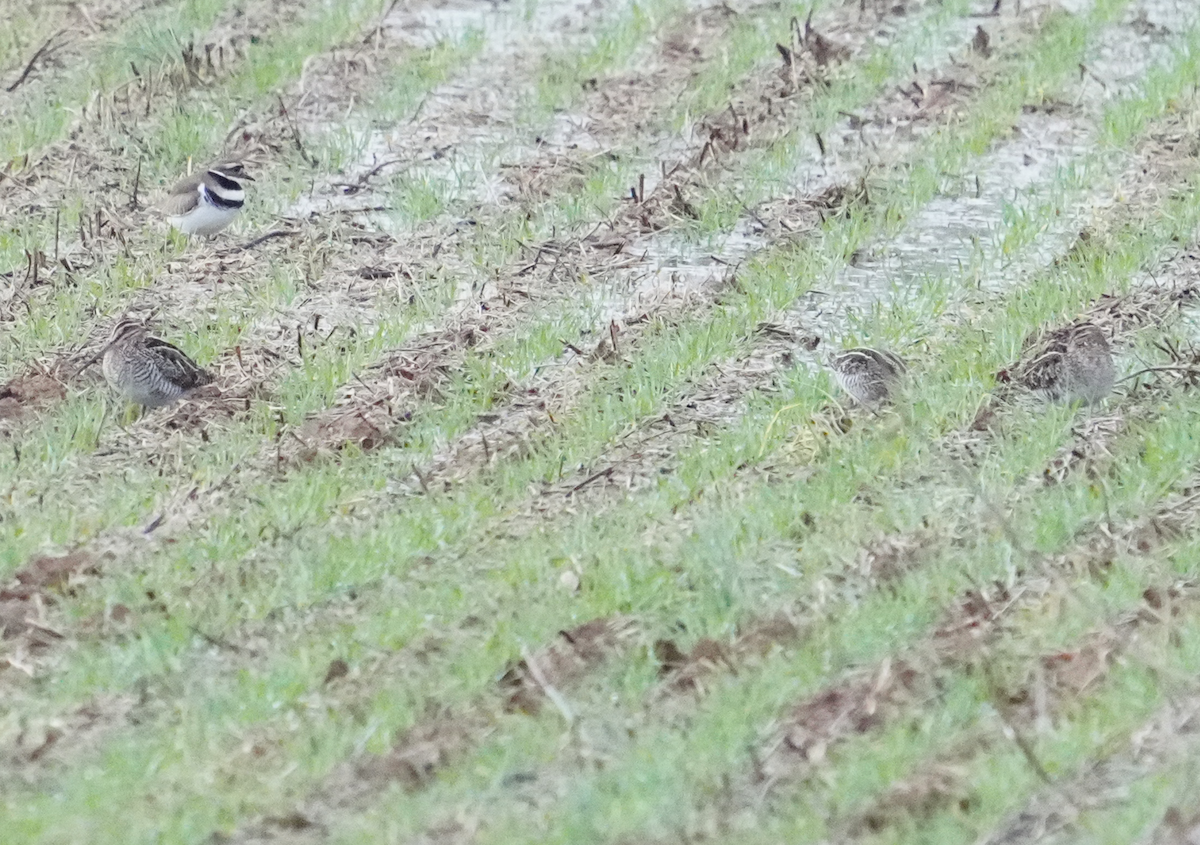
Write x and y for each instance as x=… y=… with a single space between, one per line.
x=148 y=371
x=207 y=202
x=870 y=376
x=1071 y=364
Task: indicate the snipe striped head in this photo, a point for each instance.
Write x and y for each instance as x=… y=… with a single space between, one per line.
x=870 y=376
x=208 y=201
x=1071 y=364
x=148 y=371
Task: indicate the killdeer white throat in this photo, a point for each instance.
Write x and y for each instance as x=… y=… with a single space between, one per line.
x=868 y=375
x=208 y=201
x=148 y=371
x=1071 y=364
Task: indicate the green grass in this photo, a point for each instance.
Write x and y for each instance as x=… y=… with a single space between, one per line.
x=149 y=39
x=429 y=597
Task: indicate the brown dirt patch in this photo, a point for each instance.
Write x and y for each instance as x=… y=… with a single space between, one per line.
x=924 y=794
x=42 y=744
x=27 y=630
x=371 y=410
x=856 y=706
x=690 y=671
x=893 y=556
x=423 y=750
x=22 y=396
x=574 y=654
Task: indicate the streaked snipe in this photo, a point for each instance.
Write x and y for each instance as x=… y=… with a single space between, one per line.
x=148 y=371
x=1070 y=364
x=870 y=376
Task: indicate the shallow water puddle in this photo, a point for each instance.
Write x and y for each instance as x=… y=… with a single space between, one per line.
x=989 y=232
x=458 y=129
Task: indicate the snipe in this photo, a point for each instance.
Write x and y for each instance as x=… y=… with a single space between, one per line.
x=148 y=371
x=870 y=376
x=1071 y=364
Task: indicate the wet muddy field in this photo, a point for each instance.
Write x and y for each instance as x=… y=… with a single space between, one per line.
x=525 y=504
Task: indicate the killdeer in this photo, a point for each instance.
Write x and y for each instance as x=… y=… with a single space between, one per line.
x=148 y=371
x=1071 y=364
x=207 y=202
x=868 y=375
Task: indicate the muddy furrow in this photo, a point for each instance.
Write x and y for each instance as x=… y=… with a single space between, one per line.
x=543 y=277
x=651 y=451
x=638 y=287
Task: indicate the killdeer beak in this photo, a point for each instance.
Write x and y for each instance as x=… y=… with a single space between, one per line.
x=247 y=177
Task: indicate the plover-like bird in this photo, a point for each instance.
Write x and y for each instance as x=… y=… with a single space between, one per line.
x=208 y=201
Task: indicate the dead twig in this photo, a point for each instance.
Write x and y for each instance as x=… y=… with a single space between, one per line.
x=604 y=473
x=360 y=182
x=1163 y=369
x=287 y=116
x=548 y=688
x=45 y=49
x=274 y=233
